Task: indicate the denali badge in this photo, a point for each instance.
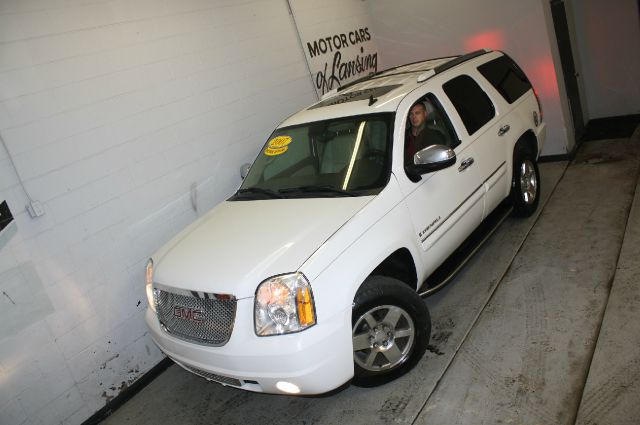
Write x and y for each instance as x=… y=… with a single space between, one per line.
x=426 y=229
x=185 y=313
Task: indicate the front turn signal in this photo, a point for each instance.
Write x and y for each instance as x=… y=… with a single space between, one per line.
x=306 y=314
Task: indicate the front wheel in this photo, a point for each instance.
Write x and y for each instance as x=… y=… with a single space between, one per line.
x=391 y=330
x=525 y=184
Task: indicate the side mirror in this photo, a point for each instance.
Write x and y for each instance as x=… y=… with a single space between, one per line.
x=244 y=170
x=430 y=159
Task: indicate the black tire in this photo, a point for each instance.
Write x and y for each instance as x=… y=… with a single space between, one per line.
x=399 y=335
x=525 y=183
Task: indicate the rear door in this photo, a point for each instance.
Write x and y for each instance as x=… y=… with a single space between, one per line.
x=486 y=132
x=512 y=94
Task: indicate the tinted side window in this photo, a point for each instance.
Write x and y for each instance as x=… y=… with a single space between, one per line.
x=436 y=129
x=471 y=102
x=506 y=77
x=438 y=120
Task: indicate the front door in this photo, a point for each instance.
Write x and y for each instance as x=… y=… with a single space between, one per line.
x=446 y=205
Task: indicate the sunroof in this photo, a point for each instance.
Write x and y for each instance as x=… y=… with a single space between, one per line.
x=356 y=95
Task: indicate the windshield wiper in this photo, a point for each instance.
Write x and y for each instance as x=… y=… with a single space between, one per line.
x=317 y=189
x=259 y=190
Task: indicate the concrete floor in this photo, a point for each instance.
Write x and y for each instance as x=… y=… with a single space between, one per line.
x=541 y=327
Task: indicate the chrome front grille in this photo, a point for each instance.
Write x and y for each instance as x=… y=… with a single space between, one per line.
x=201 y=318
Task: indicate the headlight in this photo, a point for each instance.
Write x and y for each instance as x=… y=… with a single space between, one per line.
x=148 y=283
x=284 y=304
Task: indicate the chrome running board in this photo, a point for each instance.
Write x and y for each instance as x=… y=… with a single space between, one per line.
x=452 y=265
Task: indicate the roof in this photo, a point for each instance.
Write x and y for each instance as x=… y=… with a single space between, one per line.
x=379 y=92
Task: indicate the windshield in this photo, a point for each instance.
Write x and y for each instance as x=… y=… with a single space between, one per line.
x=339 y=157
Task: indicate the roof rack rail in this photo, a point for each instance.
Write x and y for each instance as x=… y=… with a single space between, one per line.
x=460 y=59
x=372 y=75
x=424 y=77
x=428 y=73
x=328 y=94
x=359 y=80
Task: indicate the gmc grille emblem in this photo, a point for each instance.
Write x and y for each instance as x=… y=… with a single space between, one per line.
x=185 y=313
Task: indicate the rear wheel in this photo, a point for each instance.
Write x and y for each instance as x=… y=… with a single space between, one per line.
x=391 y=330
x=525 y=184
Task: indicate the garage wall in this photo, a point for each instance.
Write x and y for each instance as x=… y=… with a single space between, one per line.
x=411 y=30
x=113 y=110
x=608 y=42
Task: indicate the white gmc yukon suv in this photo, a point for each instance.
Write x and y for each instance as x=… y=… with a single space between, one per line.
x=311 y=274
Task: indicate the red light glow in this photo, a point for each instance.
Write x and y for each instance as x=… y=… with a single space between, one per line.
x=543 y=76
x=492 y=39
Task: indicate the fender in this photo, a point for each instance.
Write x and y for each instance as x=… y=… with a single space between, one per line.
x=382 y=236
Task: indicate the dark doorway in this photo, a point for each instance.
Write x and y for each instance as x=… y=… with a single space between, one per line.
x=568 y=67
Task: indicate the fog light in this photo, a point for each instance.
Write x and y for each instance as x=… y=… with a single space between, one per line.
x=287 y=387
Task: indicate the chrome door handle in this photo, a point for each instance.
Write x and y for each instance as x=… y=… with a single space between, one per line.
x=465 y=164
x=504 y=129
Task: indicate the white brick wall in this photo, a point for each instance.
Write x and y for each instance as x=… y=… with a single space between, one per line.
x=112 y=110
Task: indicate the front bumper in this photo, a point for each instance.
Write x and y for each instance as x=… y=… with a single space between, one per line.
x=315 y=360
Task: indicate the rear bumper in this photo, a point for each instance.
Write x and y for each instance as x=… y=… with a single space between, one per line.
x=315 y=361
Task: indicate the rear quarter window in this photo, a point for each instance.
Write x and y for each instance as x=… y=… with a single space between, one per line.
x=506 y=77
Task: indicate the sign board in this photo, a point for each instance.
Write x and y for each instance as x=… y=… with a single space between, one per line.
x=338 y=43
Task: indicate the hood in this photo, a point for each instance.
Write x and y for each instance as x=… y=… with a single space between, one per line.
x=238 y=244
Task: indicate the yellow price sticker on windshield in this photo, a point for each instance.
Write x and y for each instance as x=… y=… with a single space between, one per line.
x=275 y=151
x=277 y=145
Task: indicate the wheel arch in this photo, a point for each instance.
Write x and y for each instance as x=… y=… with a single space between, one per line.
x=399 y=265
x=528 y=138
x=530 y=141
x=525 y=203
